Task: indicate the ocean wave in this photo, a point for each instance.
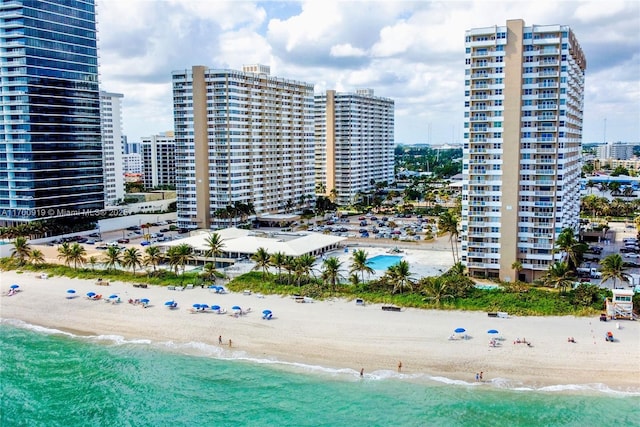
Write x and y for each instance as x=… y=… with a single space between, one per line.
x=35 y=328
x=197 y=348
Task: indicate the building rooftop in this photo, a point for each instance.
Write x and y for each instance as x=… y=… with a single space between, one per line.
x=247 y=242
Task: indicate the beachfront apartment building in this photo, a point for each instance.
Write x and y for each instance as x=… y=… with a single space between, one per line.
x=132 y=163
x=354 y=135
x=615 y=150
x=159 y=160
x=50 y=147
x=242 y=138
x=112 y=147
x=524 y=88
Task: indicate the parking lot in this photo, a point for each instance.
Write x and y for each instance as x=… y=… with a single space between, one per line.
x=630 y=253
x=407 y=227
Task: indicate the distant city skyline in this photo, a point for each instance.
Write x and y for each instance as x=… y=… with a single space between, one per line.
x=411 y=52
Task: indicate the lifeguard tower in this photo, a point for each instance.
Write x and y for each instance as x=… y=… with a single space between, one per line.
x=620 y=306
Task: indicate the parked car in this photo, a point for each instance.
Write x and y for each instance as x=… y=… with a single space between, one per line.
x=123 y=240
x=164 y=230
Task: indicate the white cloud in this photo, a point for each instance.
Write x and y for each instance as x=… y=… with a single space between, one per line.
x=346 y=49
x=411 y=51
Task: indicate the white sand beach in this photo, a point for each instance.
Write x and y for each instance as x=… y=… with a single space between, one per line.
x=341 y=334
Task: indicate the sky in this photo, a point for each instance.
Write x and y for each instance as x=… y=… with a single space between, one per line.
x=409 y=51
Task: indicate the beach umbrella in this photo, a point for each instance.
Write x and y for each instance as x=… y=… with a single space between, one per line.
x=144 y=300
x=236 y=307
x=113 y=296
x=459 y=330
x=71 y=291
x=14 y=286
x=204 y=306
x=196 y=306
x=169 y=302
x=492 y=331
x=266 y=311
x=90 y=294
x=215 y=307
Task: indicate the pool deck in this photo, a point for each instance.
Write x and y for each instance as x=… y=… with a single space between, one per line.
x=422 y=262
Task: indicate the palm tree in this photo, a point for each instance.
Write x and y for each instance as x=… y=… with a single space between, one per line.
x=64 y=253
x=436 y=288
x=448 y=223
x=262 y=260
x=21 y=249
x=567 y=243
x=153 y=256
x=132 y=258
x=517 y=267
x=612 y=267
x=209 y=270
x=278 y=260
x=214 y=246
x=92 y=262
x=179 y=256
x=331 y=271
x=36 y=257
x=559 y=275
x=360 y=263
x=77 y=254
x=400 y=276
x=290 y=266
x=112 y=257
x=304 y=267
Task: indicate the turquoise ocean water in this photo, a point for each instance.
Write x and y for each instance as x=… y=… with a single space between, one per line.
x=51 y=378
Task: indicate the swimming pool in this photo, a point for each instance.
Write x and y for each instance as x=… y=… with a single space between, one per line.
x=487 y=287
x=382 y=262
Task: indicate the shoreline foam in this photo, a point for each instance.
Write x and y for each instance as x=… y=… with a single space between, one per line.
x=338 y=336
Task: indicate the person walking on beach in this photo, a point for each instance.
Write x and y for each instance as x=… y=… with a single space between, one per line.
x=220 y=339
x=361 y=372
x=481 y=375
x=400 y=366
x=477 y=377
x=229 y=342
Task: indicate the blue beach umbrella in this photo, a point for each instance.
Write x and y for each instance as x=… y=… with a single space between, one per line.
x=204 y=306
x=459 y=330
x=71 y=291
x=492 y=331
x=236 y=307
x=215 y=307
x=266 y=311
x=113 y=296
x=14 y=286
x=90 y=294
x=169 y=302
x=196 y=306
x=144 y=300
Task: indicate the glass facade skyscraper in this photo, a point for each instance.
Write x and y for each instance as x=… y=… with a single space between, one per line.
x=50 y=140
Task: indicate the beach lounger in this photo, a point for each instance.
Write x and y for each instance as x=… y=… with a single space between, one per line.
x=171 y=288
x=360 y=301
x=189 y=286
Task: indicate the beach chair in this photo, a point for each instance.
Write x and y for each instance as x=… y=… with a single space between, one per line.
x=189 y=286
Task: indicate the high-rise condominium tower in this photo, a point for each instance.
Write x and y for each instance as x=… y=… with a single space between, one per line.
x=243 y=139
x=159 y=160
x=112 y=147
x=50 y=148
x=523 y=132
x=354 y=143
